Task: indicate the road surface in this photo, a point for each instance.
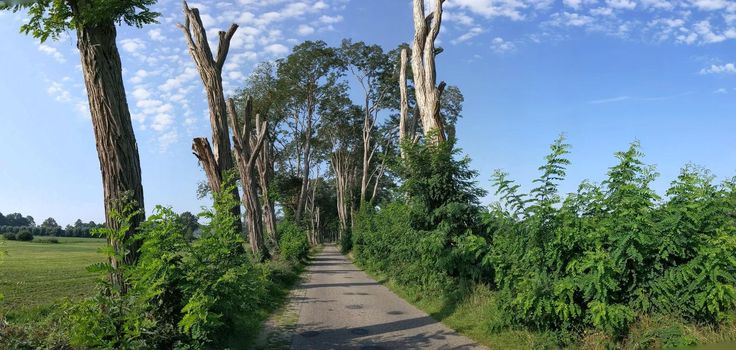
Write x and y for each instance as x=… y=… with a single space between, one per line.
x=340 y=307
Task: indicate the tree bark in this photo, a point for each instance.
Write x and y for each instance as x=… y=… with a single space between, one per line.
x=404 y=104
x=264 y=167
x=210 y=71
x=425 y=74
x=341 y=165
x=245 y=157
x=117 y=149
x=307 y=158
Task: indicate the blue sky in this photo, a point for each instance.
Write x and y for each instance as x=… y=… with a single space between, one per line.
x=604 y=72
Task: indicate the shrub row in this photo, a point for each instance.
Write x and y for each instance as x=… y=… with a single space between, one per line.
x=206 y=293
x=48 y=231
x=597 y=259
x=21 y=235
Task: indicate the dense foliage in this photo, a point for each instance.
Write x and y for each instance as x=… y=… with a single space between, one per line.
x=414 y=239
x=597 y=259
x=205 y=293
x=293 y=243
x=24 y=235
x=16 y=222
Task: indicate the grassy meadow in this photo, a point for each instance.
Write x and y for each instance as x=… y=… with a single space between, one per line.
x=37 y=274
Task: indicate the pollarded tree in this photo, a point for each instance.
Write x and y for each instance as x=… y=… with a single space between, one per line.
x=216 y=160
x=248 y=142
x=428 y=94
x=268 y=103
x=94 y=23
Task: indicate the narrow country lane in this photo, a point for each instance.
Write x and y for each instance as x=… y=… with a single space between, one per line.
x=340 y=307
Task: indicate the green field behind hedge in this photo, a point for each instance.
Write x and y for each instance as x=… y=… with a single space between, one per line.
x=36 y=274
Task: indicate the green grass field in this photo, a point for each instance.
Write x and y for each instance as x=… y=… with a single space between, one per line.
x=34 y=274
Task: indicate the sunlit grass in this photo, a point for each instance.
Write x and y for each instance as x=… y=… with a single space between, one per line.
x=35 y=274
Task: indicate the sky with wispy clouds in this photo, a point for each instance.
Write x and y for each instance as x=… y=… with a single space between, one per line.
x=604 y=72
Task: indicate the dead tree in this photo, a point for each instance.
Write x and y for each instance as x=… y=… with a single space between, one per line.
x=246 y=155
x=264 y=167
x=216 y=160
x=423 y=65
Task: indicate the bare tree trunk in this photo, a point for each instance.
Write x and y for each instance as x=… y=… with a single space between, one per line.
x=117 y=149
x=341 y=165
x=307 y=158
x=423 y=66
x=367 y=151
x=246 y=157
x=404 y=108
x=210 y=70
x=264 y=166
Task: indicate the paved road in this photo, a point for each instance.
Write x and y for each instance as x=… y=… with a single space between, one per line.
x=340 y=307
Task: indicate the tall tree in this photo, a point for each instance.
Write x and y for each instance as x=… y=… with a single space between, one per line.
x=50 y=223
x=308 y=75
x=372 y=68
x=344 y=134
x=95 y=26
x=428 y=94
x=191 y=224
x=216 y=160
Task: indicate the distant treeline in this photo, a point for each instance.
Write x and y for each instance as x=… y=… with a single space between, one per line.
x=15 y=222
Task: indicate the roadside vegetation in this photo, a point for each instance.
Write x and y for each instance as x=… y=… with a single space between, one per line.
x=613 y=264
x=292 y=162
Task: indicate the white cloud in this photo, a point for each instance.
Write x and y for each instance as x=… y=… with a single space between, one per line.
x=304 y=30
x=728 y=68
x=458 y=17
x=570 y=19
x=132 y=45
x=621 y=4
x=141 y=93
x=472 y=33
x=512 y=9
x=577 y=4
x=499 y=45
x=710 y=5
x=58 y=92
x=139 y=76
x=657 y=4
x=53 y=52
x=189 y=74
x=721 y=91
x=155 y=35
x=162 y=121
x=167 y=139
x=276 y=49
x=330 y=19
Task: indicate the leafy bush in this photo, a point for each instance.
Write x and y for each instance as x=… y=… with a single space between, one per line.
x=9 y=236
x=24 y=235
x=293 y=242
x=51 y=240
x=415 y=241
x=608 y=253
x=346 y=241
x=202 y=294
x=602 y=258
